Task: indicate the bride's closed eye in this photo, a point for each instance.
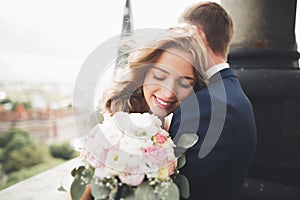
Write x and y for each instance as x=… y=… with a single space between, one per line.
x=185 y=83
x=181 y=81
x=158 y=77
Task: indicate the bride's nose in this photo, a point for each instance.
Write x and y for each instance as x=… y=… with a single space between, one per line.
x=169 y=89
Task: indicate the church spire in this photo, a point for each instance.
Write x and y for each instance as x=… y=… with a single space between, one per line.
x=127 y=29
x=127 y=20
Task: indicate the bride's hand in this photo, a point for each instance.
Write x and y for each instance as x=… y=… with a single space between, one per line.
x=87 y=195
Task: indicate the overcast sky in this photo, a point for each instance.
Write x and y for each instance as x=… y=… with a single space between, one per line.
x=48 y=40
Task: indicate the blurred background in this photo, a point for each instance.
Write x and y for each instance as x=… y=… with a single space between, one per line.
x=43 y=45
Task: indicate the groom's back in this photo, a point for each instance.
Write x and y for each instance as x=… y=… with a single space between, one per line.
x=220 y=174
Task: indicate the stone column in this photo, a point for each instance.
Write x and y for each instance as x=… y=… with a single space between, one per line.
x=265 y=58
x=265 y=31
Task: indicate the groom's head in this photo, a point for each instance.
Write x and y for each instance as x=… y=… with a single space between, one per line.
x=214 y=25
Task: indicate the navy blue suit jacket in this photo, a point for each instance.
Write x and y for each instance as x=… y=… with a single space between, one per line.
x=222 y=116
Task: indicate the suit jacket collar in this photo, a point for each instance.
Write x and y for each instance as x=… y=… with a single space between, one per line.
x=228 y=72
x=215 y=69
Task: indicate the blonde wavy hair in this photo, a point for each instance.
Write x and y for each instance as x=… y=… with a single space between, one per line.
x=127 y=92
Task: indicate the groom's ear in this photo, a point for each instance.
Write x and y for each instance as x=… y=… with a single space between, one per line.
x=203 y=36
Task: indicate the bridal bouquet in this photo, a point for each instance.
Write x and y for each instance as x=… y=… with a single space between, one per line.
x=129 y=156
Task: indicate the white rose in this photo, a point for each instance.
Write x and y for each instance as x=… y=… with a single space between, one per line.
x=103 y=136
x=137 y=124
x=133 y=145
x=101 y=172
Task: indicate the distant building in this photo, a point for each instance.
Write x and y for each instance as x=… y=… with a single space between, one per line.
x=44 y=125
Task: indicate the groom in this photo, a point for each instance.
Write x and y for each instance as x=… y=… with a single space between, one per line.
x=220 y=114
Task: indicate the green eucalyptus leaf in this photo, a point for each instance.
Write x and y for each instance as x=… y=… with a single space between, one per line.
x=80 y=170
x=88 y=177
x=183 y=185
x=77 y=188
x=96 y=118
x=126 y=192
x=187 y=140
x=61 y=189
x=169 y=193
x=99 y=192
x=74 y=172
x=129 y=196
x=181 y=161
x=145 y=192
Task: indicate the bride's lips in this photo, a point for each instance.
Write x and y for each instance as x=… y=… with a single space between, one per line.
x=162 y=103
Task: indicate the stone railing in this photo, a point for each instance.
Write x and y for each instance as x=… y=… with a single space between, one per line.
x=44 y=185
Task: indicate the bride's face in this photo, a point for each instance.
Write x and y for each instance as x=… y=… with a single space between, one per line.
x=169 y=81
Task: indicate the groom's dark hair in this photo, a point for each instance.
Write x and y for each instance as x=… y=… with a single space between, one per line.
x=214 y=21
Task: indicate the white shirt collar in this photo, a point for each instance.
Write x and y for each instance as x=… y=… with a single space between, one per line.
x=216 y=68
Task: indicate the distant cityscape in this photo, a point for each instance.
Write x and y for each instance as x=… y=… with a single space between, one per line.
x=42 y=109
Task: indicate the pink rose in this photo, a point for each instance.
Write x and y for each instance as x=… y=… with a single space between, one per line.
x=160 y=139
x=132 y=176
x=155 y=156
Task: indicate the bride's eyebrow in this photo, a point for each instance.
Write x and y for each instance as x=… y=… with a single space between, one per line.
x=165 y=71
x=189 y=78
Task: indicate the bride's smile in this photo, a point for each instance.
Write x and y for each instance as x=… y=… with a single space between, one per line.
x=163 y=103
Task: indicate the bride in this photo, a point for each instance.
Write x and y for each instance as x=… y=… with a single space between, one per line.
x=159 y=76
